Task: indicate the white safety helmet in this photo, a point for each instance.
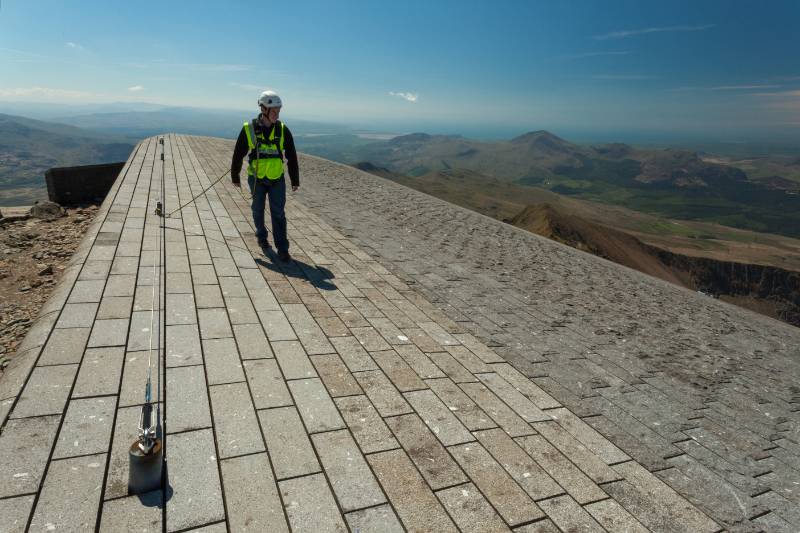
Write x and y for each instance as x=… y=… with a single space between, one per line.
x=270 y=99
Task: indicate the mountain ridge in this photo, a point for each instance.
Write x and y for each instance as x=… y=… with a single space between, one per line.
x=28 y=147
x=666 y=182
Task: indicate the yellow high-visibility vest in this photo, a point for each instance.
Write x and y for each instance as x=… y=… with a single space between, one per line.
x=266 y=154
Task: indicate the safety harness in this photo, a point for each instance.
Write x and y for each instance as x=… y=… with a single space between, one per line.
x=266 y=153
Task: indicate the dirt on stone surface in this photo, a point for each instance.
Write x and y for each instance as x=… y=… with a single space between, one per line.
x=33 y=255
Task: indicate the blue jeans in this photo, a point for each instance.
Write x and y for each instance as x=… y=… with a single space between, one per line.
x=276 y=191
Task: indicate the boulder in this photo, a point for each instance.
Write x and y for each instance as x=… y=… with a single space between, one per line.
x=47 y=210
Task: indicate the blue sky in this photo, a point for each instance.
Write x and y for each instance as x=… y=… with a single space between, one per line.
x=569 y=66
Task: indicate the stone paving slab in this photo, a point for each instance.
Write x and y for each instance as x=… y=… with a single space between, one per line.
x=350 y=477
x=15 y=512
x=470 y=510
x=70 y=496
x=133 y=513
x=431 y=458
x=100 y=372
x=86 y=428
x=252 y=496
x=511 y=502
x=24 y=448
x=378 y=519
x=316 y=395
x=413 y=500
x=288 y=443
x=311 y=506
x=194 y=480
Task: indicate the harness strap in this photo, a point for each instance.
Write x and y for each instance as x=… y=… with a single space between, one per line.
x=262 y=146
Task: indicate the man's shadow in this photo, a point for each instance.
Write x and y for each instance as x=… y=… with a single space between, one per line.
x=319 y=276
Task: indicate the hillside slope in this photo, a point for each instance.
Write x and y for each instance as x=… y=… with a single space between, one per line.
x=29 y=147
x=611 y=244
x=768 y=290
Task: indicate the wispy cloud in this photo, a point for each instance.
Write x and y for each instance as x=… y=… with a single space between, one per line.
x=60 y=95
x=214 y=67
x=630 y=33
x=597 y=54
x=787 y=103
x=795 y=93
x=49 y=93
x=629 y=77
x=136 y=89
x=246 y=86
x=195 y=67
x=75 y=46
x=743 y=87
x=411 y=97
x=23 y=53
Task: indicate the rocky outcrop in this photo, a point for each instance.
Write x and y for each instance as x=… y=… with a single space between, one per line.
x=47 y=210
x=778 y=288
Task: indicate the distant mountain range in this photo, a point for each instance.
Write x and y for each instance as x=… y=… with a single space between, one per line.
x=759 y=195
x=50 y=135
x=139 y=120
x=29 y=147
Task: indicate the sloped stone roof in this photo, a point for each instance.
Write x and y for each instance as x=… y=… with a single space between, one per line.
x=417 y=366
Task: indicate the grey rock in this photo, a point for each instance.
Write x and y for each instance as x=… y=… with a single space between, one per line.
x=47 y=210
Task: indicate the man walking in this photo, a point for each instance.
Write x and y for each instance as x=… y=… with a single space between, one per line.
x=265 y=140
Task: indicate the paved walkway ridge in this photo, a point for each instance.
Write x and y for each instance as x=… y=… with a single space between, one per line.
x=328 y=394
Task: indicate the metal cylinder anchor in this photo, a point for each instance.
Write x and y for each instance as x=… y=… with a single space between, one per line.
x=144 y=469
x=145 y=454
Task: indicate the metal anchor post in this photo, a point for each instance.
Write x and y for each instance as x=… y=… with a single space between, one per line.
x=144 y=455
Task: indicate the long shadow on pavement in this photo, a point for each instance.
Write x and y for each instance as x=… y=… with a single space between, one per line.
x=318 y=276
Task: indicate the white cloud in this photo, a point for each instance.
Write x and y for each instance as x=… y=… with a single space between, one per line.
x=631 y=33
x=246 y=86
x=411 y=97
x=75 y=46
x=136 y=89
